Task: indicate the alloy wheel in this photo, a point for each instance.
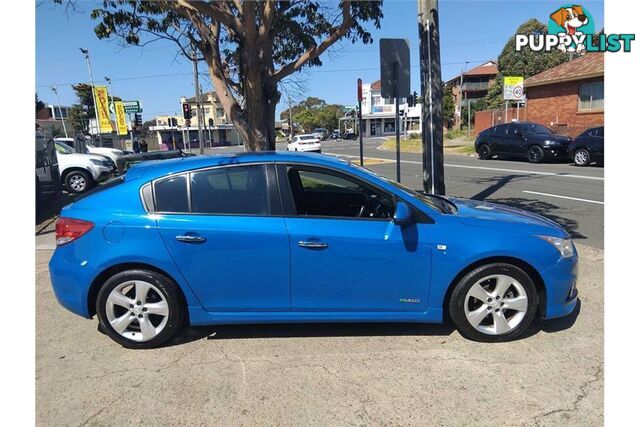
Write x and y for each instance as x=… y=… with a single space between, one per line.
x=535 y=154
x=496 y=304
x=137 y=310
x=77 y=182
x=581 y=157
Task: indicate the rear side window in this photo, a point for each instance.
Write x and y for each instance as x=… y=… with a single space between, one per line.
x=501 y=130
x=237 y=190
x=171 y=195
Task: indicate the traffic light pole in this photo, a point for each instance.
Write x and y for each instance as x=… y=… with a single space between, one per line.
x=431 y=92
x=198 y=101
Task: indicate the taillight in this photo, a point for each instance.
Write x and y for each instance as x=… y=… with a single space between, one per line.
x=69 y=229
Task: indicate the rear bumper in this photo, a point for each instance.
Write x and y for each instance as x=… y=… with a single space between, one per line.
x=70 y=282
x=561 y=288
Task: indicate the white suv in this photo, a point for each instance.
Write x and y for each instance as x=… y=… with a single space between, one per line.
x=80 y=172
x=111 y=153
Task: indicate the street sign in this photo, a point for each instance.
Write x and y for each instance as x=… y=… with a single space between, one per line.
x=513 y=88
x=395 y=65
x=132 y=107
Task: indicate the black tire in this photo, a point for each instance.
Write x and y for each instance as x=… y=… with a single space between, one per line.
x=71 y=180
x=459 y=293
x=176 y=307
x=535 y=154
x=582 y=157
x=484 y=152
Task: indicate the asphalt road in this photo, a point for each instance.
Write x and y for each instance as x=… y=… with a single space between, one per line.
x=570 y=195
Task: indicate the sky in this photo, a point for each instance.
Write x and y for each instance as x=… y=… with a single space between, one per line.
x=473 y=31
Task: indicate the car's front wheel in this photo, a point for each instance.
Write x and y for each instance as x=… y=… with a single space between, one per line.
x=140 y=309
x=78 y=181
x=484 y=152
x=581 y=157
x=493 y=303
x=535 y=154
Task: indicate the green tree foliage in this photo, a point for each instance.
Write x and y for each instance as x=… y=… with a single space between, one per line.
x=525 y=63
x=314 y=113
x=39 y=103
x=248 y=46
x=448 y=107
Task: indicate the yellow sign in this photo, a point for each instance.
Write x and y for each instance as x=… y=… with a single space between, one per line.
x=513 y=88
x=102 y=103
x=121 y=122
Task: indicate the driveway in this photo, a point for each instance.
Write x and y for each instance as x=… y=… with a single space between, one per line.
x=328 y=374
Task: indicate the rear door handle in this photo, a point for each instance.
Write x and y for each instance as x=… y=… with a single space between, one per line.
x=312 y=245
x=190 y=239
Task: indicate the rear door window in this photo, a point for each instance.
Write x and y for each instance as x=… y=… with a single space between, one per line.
x=235 y=190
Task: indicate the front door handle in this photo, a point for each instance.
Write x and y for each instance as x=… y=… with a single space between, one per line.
x=312 y=245
x=190 y=239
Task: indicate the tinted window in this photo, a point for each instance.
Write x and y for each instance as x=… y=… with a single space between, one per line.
x=501 y=130
x=320 y=193
x=171 y=195
x=239 y=190
x=532 y=128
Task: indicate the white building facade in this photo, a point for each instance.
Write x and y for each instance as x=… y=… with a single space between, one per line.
x=378 y=113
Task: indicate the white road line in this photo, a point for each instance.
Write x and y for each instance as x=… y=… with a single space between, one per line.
x=530 y=172
x=563 y=197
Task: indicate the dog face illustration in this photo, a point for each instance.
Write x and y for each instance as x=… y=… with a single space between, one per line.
x=570 y=18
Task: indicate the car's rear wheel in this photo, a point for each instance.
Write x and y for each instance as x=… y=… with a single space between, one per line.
x=484 y=152
x=78 y=181
x=535 y=154
x=493 y=303
x=140 y=309
x=581 y=157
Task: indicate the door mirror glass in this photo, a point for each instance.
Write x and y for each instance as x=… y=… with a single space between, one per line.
x=403 y=214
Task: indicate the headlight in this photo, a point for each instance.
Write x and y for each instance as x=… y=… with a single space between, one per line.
x=99 y=162
x=564 y=246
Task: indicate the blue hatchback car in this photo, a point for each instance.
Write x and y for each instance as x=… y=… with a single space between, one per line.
x=278 y=238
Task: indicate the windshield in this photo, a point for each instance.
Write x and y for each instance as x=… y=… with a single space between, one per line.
x=63 y=148
x=438 y=203
x=536 y=129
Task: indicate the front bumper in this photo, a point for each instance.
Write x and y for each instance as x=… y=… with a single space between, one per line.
x=556 y=152
x=103 y=173
x=561 y=288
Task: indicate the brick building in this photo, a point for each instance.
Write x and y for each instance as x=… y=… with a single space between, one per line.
x=569 y=97
x=475 y=85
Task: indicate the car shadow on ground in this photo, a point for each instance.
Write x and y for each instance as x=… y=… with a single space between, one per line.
x=314 y=330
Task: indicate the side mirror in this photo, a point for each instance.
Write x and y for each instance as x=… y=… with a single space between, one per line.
x=402 y=215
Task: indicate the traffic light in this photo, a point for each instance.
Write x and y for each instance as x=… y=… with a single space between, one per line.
x=210 y=122
x=186 y=111
x=173 y=122
x=410 y=101
x=137 y=120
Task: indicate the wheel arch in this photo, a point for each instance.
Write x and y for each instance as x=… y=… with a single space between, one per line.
x=517 y=262
x=67 y=171
x=104 y=275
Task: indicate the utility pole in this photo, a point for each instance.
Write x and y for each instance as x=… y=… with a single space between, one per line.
x=196 y=84
x=431 y=92
x=466 y=101
x=95 y=104
x=110 y=88
x=55 y=90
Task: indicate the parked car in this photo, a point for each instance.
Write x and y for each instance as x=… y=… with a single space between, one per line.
x=335 y=135
x=588 y=147
x=320 y=133
x=80 y=172
x=283 y=237
x=47 y=170
x=110 y=153
x=128 y=160
x=305 y=143
x=531 y=141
